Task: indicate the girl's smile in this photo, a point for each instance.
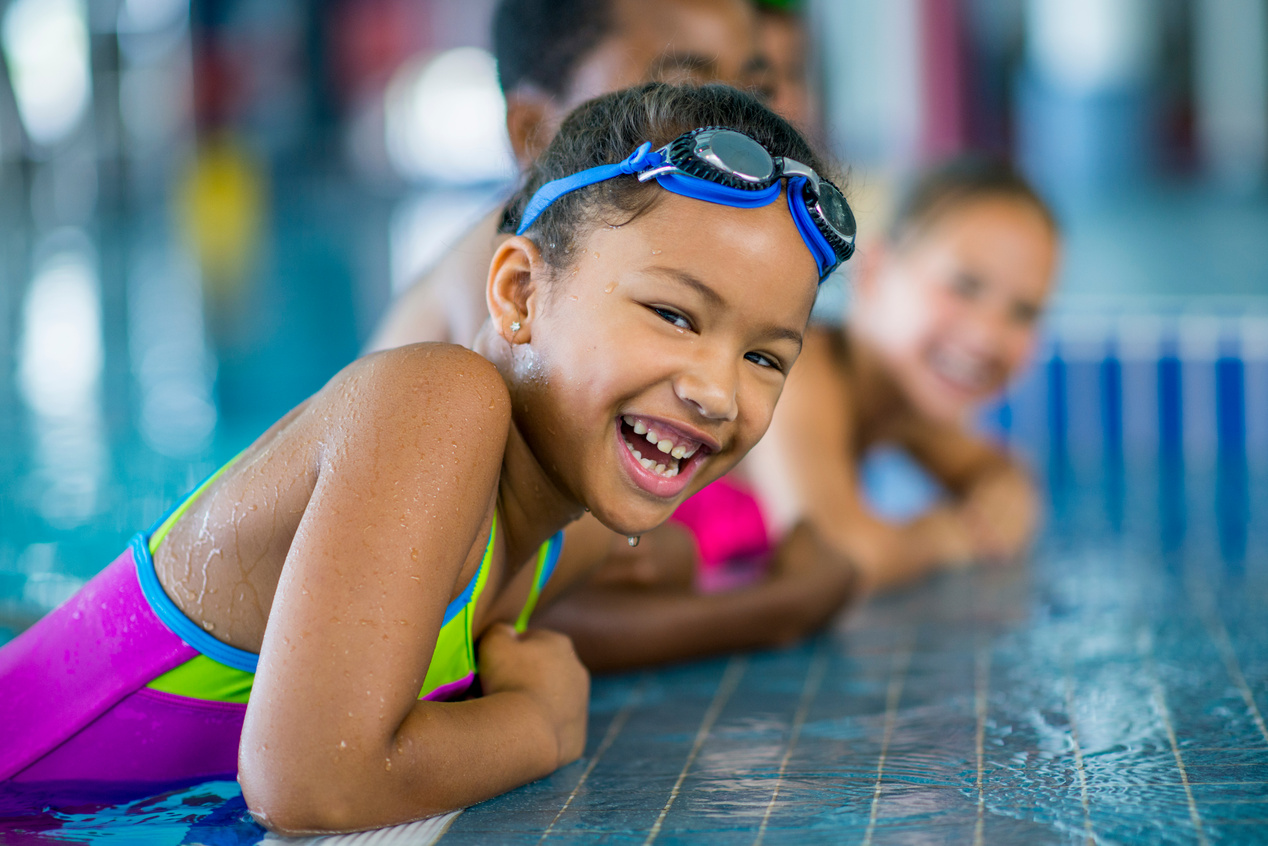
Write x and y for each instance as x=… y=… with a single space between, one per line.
x=955 y=312
x=661 y=353
x=660 y=457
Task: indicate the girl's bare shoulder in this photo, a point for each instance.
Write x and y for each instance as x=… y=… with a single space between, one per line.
x=822 y=370
x=420 y=391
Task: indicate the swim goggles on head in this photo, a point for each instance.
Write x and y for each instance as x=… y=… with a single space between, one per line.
x=727 y=167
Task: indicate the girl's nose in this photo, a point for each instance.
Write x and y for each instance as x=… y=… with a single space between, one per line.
x=709 y=385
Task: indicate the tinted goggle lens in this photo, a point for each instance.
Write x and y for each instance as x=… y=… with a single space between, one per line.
x=739 y=156
x=836 y=212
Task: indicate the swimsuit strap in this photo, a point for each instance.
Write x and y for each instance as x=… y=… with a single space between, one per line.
x=475 y=588
x=547 y=558
x=164 y=525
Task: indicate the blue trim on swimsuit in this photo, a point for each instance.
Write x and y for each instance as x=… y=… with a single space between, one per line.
x=453 y=609
x=174 y=618
x=552 y=557
x=194 y=635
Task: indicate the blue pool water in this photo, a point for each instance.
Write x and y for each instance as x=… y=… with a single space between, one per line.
x=1111 y=691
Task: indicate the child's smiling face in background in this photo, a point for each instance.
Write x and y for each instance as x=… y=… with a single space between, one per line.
x=679 y=326
x=954 y=312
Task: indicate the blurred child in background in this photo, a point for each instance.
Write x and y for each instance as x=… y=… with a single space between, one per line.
x=944 y=313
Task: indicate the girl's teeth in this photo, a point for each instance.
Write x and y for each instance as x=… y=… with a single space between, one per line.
x=664 y=444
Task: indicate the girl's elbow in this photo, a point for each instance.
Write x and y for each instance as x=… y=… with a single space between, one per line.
x=297 y=802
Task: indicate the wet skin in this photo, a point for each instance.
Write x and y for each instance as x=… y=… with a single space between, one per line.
x=349 y=525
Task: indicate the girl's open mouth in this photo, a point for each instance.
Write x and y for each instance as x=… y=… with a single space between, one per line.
x=661 y=456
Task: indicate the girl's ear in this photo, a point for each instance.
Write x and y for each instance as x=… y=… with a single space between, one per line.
x=516 y=275
x=531 y=120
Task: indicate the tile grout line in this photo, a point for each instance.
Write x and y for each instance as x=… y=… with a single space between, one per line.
x=618 y=723
x=814 y=678
x=1219 y=633
x=897 y=676
x=1078 y=749
x=730 y=679
x=982 y=675
x=1145 y=645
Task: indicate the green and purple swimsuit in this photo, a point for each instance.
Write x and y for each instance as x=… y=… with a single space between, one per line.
x=117 y=684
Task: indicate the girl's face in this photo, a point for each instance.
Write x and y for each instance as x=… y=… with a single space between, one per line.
x=654 y=363
x=954 y=312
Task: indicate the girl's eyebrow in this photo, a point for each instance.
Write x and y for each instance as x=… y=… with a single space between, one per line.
x=683 y=277
x=716 y=300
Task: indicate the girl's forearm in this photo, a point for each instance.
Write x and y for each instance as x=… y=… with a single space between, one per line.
x=890 y=555
x=445 y=756
x=614 y=628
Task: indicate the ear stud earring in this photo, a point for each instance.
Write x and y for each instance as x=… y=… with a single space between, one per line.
x=515 y=326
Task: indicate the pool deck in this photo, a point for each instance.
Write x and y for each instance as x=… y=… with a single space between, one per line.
x=1111 y=692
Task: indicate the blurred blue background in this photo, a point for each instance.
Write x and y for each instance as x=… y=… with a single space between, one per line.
x=205 y=207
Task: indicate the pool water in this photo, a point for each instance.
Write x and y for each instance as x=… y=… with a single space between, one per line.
x=1113 y=690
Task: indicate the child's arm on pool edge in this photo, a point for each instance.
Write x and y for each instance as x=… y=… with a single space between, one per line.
x=995 y=494
x=616 y=626
x=335 y=737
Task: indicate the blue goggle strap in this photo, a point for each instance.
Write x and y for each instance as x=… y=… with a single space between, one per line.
x=695 y=188
x=711 y=192
x=825 y=257
x=641 y=159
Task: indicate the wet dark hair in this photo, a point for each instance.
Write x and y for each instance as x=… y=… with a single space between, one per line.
x=542 y=41
x=607 y=129
x=958 y=182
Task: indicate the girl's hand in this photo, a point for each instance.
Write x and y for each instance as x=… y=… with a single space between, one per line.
x=1001 y=513
x=543 y=665
x=803 y=555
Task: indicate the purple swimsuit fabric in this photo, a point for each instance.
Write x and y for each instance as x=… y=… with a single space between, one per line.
x=74 y=702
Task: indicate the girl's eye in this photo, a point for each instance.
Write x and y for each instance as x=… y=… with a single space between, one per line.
x=763 y=360
x=968 y=287
x=671 y=316
x=1024 y=313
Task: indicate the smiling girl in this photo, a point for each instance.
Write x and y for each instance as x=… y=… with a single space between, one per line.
x=312 y=616
x=944 y=313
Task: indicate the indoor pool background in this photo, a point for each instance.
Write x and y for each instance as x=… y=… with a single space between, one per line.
x=1110 y=690
x=242 y=184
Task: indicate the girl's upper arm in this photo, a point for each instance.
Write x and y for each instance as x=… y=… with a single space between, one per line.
x=808 y=462
x=410 y=453
x=804 y=467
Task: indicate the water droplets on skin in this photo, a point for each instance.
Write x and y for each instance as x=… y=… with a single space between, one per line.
x=526 y=364
x=610 y=287
x=657 y=252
